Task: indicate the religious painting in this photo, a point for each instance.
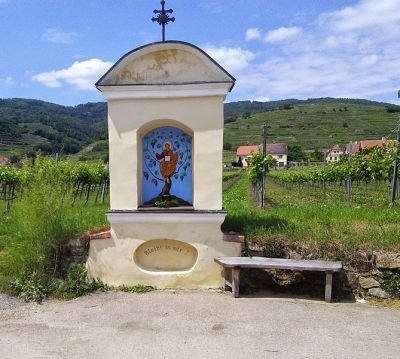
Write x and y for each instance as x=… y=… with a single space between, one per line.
x=167 y=168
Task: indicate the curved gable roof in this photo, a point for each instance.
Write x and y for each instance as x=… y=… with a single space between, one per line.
x=165 y=63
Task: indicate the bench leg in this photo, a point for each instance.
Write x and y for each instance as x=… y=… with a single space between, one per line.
x=226 y=278
x=328 y=287
x=235 y=282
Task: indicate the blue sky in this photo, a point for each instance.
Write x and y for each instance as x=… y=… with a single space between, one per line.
x=54 y=50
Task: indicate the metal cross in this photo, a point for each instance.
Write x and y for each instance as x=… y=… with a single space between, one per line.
x=163 y=18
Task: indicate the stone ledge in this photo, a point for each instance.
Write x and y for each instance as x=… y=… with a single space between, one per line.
x=102 y=233
x=387 y=260
x=233 y=237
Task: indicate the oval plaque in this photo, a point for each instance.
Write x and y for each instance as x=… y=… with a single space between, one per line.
x=165 y=255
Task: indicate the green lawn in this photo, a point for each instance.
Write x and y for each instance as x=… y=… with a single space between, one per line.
x=293 y=218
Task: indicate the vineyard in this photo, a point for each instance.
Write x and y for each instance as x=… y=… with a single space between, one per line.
x=366 y=177
x=82 y=181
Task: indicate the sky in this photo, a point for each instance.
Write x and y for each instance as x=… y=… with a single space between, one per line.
x=55 y=50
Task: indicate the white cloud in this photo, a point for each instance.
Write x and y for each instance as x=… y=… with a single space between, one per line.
x=253 y=34
x=282 y=34
x=232 y=58
x=365 y=14
x=368 y=61
x=340 y=55
x=81 y=75
x=261 y=99
x=7 y=81
x=213 y=6
x=59 y=36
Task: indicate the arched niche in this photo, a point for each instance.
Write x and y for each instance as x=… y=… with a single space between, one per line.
x=166 y=173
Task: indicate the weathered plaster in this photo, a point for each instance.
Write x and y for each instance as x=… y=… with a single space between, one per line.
x=164 y=84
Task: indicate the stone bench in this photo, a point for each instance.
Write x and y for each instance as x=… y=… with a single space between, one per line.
x=232 y=266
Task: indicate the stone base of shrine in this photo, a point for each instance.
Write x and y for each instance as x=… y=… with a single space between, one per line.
x=172 y=248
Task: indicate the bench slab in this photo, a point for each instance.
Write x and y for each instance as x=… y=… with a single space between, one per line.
x=279 y=263
x=232 y=266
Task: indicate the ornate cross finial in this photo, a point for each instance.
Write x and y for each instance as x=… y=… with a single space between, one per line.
x=163 y=18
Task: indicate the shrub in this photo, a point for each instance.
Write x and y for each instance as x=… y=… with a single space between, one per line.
x=260 y=165
x=32 y=287
x=77 y=283
x=390 y=281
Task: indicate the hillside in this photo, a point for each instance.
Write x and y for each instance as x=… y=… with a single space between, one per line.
x=313 y=124
x=31 y=125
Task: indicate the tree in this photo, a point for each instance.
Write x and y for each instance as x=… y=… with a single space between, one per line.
x=230 y=119
x=317 y=156
x=15 y=159
x=227 y=146
x=295 y=153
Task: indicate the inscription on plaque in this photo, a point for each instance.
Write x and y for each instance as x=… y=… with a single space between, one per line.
x=165 y=255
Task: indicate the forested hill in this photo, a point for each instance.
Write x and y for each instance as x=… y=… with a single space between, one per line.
x=241 y=107
x=29 y=125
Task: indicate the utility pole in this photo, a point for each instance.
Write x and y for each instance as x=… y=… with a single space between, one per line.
x=323 y=179
x=348 y=178
x=264 y=155
x=395 y=169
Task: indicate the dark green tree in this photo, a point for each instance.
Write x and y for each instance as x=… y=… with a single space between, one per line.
x=296 y=153
x=227 y=146
x=15 y=159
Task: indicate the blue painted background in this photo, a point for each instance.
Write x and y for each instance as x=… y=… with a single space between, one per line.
x=152 y=181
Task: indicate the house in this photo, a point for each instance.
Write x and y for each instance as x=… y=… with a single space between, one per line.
x=4 y=161
x=278 y=151
x=333 y=155
x=245 y=153
x=358 y=146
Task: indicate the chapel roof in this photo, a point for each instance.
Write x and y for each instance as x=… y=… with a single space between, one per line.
x=166 y=63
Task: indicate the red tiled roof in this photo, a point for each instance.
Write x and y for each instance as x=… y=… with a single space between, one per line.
x=363 y=144
x=4 y=160
x=248 y=150
x=355 y=147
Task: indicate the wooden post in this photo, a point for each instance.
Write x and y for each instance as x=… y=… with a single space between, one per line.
x=328 y=287
x=225 y=278
x=235 y=282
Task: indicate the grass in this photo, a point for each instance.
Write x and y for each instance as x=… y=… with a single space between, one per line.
x=226 y=176
x=293 y=218
x=33 y=235
x=95 y=151
x=25 y=239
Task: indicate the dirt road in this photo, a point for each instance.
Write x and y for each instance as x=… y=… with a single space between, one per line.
x=193 y=325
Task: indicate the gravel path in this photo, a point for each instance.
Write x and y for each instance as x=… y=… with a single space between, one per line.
x=8 y=302
x=193 y=325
